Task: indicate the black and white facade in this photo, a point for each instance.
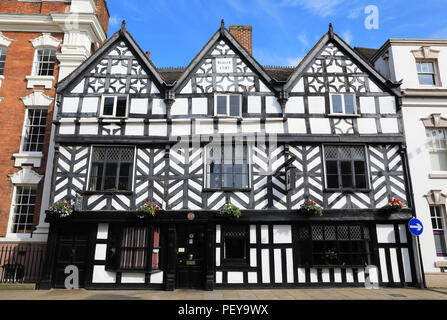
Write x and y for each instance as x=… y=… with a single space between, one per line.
x=227 y=130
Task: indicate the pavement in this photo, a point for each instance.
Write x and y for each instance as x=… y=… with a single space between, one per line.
x=271 y=294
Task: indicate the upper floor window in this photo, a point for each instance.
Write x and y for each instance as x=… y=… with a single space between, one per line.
x=343 y=104
x=426 y=72
x=2 y=59
x=437 y=142
x=24 y=204
x=35 y=126
x=438 y=224
x=346 y=167
x=228 y=105
x=114 y=106
x=112 y=169
x=44 y=62
x=227 y=166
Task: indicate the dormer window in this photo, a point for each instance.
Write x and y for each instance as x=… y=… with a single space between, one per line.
x=426 y=73
x=228 y=106
x=343 y=104
x=114 y=106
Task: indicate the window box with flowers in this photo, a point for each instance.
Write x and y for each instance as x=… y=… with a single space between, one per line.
x=231 y=211
x=61 y=209
x=311 y=207
x=147 y=210
x=394 y=205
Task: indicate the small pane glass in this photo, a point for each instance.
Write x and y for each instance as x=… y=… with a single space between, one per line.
x=426 y=79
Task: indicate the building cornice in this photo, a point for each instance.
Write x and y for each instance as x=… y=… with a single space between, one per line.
x=408 y=42
x=54 y=22
x=425 y=93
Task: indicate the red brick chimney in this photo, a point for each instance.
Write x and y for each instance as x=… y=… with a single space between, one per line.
x=243 y=35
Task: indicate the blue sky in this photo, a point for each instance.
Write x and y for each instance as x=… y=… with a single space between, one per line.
x=174 y=31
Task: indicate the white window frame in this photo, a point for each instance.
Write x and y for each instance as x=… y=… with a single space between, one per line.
x=344 y=114
x=115 y=96
x=444 y=227
x=435 y=72
x=249 y=160
x=228 y=105
x=436 y=150
x=22 y=141
x=9 y=233
x=35 y=69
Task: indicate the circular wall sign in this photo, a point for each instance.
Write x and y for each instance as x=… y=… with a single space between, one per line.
x=191 y=216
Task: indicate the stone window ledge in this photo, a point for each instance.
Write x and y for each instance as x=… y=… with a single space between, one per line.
x=46 y=81
x=438 y=175
x=34 y=159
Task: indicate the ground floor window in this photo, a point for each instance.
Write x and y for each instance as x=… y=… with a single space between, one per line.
x=24 y=204
x=134 y=248
x=438 y=224
x=235 y=246
x=332 y=245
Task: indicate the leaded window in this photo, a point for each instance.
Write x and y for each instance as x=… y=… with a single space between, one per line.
x=3 y=51
x=346 y=167
x=426 y=72
x=24 y=205
x=112 y=169
x=438 y=224
x=45 y=61
x=234 y=242
x=346 y=245
x=35 y=127
x=227 y=166
x=437 y=143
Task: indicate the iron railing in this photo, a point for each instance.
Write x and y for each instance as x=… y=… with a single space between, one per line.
x=21 y=263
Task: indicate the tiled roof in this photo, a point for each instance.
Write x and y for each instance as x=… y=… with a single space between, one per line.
x=367 y=53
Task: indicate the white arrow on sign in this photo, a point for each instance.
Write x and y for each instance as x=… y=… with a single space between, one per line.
x=418 y=227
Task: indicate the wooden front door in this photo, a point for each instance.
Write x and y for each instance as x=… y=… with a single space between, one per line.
x=72 y=250
x=190 y=257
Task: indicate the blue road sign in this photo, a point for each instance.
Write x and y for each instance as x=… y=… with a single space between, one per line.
x=416 y=227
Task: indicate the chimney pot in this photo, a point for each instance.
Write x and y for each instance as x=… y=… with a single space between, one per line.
x=243 y=34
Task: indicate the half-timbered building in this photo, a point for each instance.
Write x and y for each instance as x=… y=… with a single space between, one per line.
x=227 y=130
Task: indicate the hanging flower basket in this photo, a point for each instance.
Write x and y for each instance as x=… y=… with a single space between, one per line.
x=395 y=205
x=230 y=210
x=61 y=209
x=148 y=209
x=311 y=207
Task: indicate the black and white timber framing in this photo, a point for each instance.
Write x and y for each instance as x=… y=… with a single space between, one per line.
x=295 y=111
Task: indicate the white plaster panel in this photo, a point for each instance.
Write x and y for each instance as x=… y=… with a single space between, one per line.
x=219 y=277
x=67 y=127
x=253 y=259
x=227 y=126
x=217 y=257
x=135 y=129
x=158 y=106
x=282 y=234
x=90 y=105
x=88 y=128
x=252 y=277
x=367 y=126
x=367 y=105
x=100 y=252
x=403 y=233
x=200 y=106
x=204 y=126
x=103 y=231
x=387 y=105
x=407 y=265
x=264 y=234
x=317 y=105
x=289 y=264
x=157 y=277
x=299 y=87
x=251 y=126
x=295 y=105
x=133 y=278
x=70 y=105
x=252 y=234
x=187 y=88
x=274 y=125
x=385 y=233
x=278 y=265
x=265 y=266
x=389 y=125
x=180 y=107
x=272 y=105
x=218 y=233
x=373 y=87
x=79 y=88
x=235 y=277
x=383 y=268
x=181 y=128
x=296 y=125
x=139 y=106
x=301 y=275
x=100 y=275
x=254 y=104
x=157 y=128
x=394 y=265
x=320 y=126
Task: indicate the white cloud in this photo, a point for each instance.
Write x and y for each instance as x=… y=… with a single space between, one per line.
x=323 y=8
x=347 y=36
x=114 y=21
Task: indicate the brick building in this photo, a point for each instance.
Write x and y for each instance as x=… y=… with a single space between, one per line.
x=41 y=42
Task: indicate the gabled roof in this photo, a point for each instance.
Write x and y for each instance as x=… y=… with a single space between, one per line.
x=120 y=35
x=223 y=33
x=329 y=37
x=367 y=53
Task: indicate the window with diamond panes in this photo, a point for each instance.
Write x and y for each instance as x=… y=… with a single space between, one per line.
x=438 y=224
x=346 y=168
x=437 y=144
x=234 y=241
x=334 y=245
x=45 y=61
x=24 y=204
x=35 y=127
x=111 y=169
x=227 y=166
x=3 y=51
